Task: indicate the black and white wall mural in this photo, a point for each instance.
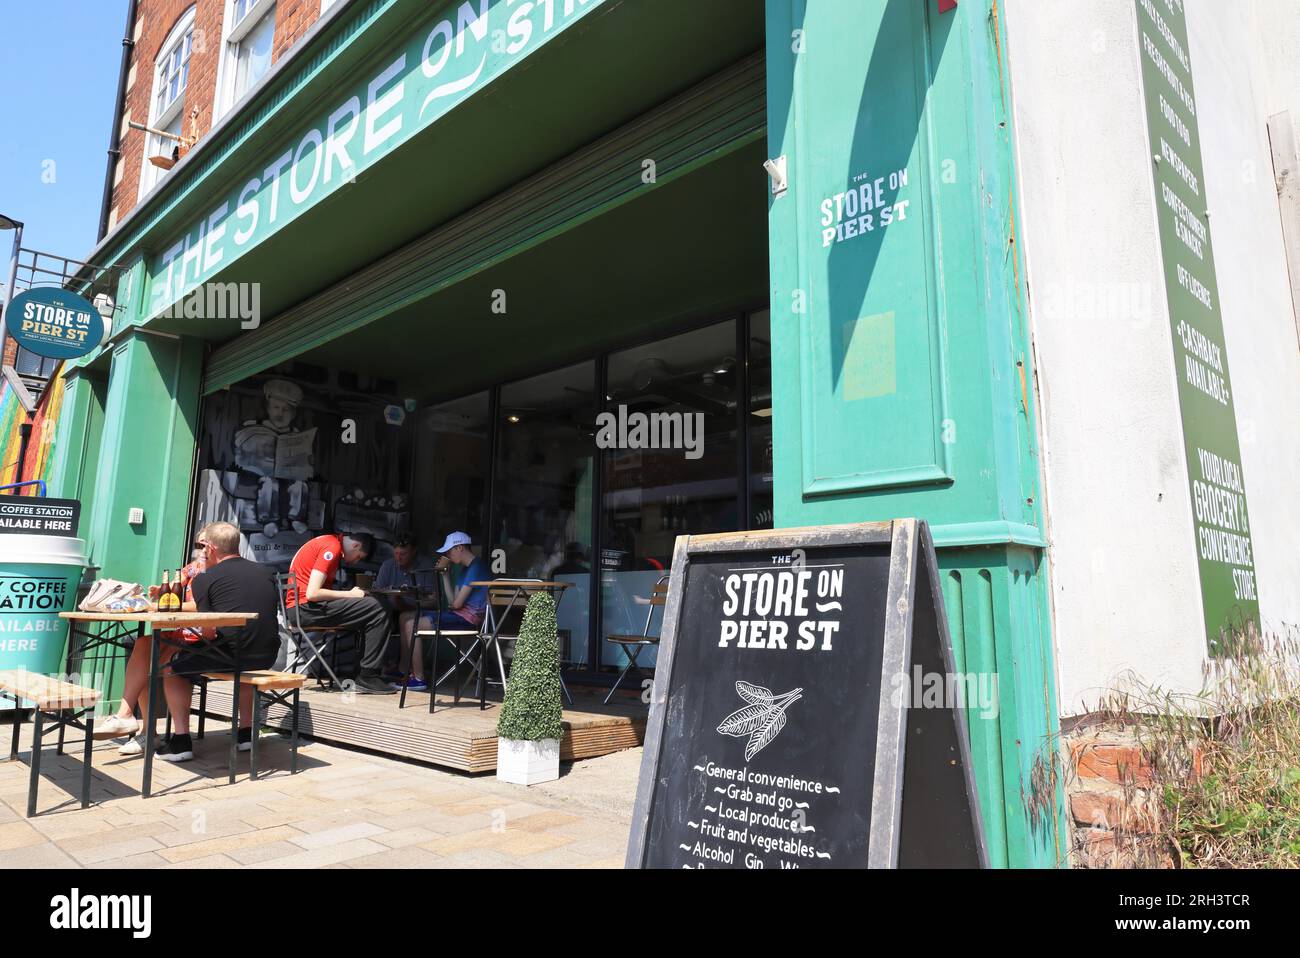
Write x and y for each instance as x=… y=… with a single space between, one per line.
x=301 y=450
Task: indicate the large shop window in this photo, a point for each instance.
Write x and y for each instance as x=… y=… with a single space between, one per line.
x=531 y=469
x=682 y=392
x=451 y=470
x=541 y=512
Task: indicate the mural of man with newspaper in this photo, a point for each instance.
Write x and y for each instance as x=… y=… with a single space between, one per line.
x=280 y=456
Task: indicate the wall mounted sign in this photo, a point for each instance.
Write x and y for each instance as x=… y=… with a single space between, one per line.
x=31 y=516
x=53 y=322
x=783 y=731
x=1225 y=552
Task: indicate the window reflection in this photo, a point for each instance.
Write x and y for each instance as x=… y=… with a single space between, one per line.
x=543 y=490
x=451 y=466
x=652 y=495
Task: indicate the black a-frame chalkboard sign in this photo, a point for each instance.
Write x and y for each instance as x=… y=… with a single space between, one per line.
x=785 y=727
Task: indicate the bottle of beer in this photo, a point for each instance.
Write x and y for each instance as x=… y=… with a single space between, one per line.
x=166 y=594
x=178 y=592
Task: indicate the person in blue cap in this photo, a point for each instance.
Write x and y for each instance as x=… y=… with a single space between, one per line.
x=466 y=603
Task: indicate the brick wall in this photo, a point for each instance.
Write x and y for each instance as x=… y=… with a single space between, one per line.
x=1114 y=791
x=154 y=21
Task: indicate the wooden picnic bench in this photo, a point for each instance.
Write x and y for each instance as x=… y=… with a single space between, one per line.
x=276 y=688
x=63 y=703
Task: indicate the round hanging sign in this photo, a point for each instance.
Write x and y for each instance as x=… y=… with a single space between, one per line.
x=53 y=322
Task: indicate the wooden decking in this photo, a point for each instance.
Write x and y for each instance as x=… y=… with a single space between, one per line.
x=455 y=736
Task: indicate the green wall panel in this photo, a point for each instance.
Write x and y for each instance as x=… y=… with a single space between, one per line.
x=900 y=355
x=150 y=425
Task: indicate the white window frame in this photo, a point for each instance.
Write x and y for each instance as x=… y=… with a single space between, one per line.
x=150 y=175
x=231 y=35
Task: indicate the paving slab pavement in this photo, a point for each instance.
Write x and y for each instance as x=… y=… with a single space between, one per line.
x=344 y=808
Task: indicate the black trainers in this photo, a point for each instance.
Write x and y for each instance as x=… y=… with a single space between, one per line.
x=178 y=748
x=245 y=740
x=373 y=685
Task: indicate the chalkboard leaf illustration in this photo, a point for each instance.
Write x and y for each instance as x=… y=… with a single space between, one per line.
x=761 y=720
x=745 y=721
x=760 y=739
x=753 y=694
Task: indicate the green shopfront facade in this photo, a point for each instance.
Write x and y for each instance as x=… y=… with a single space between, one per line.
x=505 y=217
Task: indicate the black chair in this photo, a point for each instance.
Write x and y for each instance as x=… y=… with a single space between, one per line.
x=632 y=645
x=291 y=615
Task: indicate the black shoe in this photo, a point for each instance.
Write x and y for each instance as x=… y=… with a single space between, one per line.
x=245 y=740
x=178 y=748
x=373 y=685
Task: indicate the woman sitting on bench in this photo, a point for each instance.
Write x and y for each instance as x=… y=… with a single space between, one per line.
x=135 y=688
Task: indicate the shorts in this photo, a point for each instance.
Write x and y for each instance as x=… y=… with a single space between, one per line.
x=189 y=663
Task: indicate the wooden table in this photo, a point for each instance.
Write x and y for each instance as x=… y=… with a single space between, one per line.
x=79 y=627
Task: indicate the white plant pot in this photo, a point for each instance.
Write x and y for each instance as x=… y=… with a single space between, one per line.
x=528 y=763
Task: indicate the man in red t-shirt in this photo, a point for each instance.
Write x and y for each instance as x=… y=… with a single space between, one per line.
x=314 y=568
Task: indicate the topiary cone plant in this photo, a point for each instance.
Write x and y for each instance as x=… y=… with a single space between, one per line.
x=530 y=727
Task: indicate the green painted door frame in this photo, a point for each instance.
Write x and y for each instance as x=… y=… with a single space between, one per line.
x=900 y=356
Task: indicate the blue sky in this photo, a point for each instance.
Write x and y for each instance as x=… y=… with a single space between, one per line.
x=58 y=78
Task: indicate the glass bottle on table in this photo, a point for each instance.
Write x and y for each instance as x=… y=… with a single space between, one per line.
x=167 y=600
x=178 y=591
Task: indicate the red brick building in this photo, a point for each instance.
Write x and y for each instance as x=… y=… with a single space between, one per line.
x=191 y=62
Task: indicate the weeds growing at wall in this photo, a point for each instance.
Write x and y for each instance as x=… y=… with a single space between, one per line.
x=1218 y=783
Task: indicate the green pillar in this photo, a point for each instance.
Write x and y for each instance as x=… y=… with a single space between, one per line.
x=146 y=455
x=901 y=373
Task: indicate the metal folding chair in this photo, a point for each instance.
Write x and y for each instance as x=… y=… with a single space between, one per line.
x=284 y=582
x=632 y=645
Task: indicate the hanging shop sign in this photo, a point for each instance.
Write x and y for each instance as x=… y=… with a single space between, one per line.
x=1221 y=525
x=429 y=71
x=53 y=322
x=784 y=731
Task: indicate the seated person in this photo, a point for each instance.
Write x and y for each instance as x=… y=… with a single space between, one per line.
x=406 y=569
x=230 y=583
x=465 y=606
x=315 y=565
x=135 y=686
x=468 y=604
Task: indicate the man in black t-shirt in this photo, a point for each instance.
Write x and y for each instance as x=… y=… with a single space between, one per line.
x=230 y=584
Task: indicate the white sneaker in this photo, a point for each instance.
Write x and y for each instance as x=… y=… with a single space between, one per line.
x=132 y=747
x=115 y=726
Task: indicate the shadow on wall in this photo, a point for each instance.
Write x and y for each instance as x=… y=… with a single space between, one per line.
x=893 y=99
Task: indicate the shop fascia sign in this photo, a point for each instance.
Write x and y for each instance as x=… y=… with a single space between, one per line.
x=428 y=73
